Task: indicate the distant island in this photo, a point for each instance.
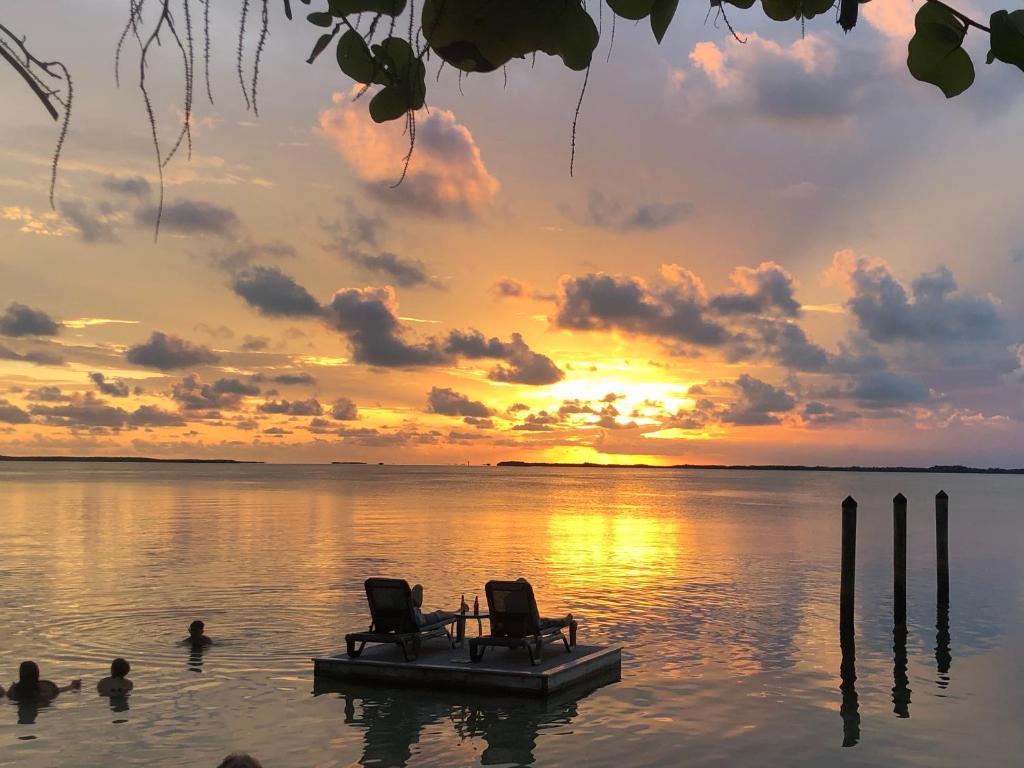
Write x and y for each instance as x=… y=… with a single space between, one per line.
x=937 y=469
x=126 y=459
x=358 y=463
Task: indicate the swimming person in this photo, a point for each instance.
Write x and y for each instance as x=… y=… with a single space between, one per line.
x=118 y=683
x=196 y=638
x=423 y=619
x=30 y=687
x=239 y=760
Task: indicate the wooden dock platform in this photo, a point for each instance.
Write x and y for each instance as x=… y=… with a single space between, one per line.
x=501 y=670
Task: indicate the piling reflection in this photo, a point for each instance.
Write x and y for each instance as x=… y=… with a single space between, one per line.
x=901 y=682
x=943 y=653
x=393 y=720
x=849 y=709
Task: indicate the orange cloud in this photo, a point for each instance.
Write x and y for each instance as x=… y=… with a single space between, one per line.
x=447 y=174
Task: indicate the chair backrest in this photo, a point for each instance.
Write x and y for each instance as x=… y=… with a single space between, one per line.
x=513 y=609
x=391 y=605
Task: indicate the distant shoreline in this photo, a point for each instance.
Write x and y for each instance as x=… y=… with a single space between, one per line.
x=955 y=469
x=126 y=459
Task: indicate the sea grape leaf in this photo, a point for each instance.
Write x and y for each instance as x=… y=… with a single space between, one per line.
x=661 y=17
x=935 y=54
x=784 y=10
x=738 y=3
x=347 y=7
x=1007 y=38
x=322 y=42
x=632 y=9
x=388 y=104
x=321 y=18
x=355 y=59
x=480 y=37
x=404 y=79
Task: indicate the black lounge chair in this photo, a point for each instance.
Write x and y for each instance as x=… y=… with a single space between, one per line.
x=394 y=620
x=516 y=623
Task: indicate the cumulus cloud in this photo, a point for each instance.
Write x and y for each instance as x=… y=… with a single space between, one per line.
x=151 y=416
x=271 y=292
x=236 y=257
x=934 y=311
x=766 y=289
x=132 y=186
x=524 y=366
x=448 y=402
x=47 y=394
x=309 y=407
x=760 y=403
x=190 y=217
x=447 y=175
x=83 y=412
x=255 y=343
x=608 y=213
x=166 y=352
x=675 y=312
x=369 y=318
x=12 y=414
x=112 y=387
x=21 y=320
x=192 y=394
x=508 y=288
x=95 y=224
x=407 y=272
x=344 y=409
x=800 y=82
x=294 y=379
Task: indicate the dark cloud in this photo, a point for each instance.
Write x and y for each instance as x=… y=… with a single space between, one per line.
x=886 y=389
x=343 y=409
x=95 y=224
x=21 y=320
x=47 y=394
x=167 y=352
x=608 y=213
x=12 y=414
x=448 y=402
x=817 y=414
x=309 y=407
x=235 y=258
x=787 y=343
x=764 y=290
x=406 y=272
x=524 y=366
x=255 y=343
x=36 y=356
x=194 y=395
x=151 y=416
x=294 y=379
x=273 y=293
x=83 y=412
x=133 y=186
x=190 y=217
x=507 y=288
x=936 y=312
x=614 y=302
x=368 y=318
x=112 y=387
x=759 y=404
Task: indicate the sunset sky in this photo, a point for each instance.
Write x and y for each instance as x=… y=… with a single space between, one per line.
x=783 y=251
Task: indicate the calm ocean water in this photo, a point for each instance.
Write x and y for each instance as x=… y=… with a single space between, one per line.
x=722 y=587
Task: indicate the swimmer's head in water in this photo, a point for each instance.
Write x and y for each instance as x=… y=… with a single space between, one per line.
x=28 y=673
x=196 y=627
x=120 y=668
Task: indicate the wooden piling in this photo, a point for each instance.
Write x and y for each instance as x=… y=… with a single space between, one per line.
x=899 y=559
x=848 y=566
x=942 y=546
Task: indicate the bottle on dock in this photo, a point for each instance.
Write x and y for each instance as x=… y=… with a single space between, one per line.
x=462 y=604
x=476 y=605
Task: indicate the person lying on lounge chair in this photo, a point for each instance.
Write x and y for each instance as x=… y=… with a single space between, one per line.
x=425 y=619
x=547 y=623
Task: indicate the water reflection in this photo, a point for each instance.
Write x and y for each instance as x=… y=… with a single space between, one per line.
x=393 y=720
x=901 y=683
x=849 y=709
x=195 y=658
x=943 y=653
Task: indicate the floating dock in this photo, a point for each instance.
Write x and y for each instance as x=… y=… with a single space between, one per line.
x=501 y=670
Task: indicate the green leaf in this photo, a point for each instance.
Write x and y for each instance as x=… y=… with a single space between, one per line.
x=738 y=3
x=784 y=10
x=347 y=7
x=632 y=9
x=387 y=105
x=321 y=18
x=935 y=54
x=480 y=37
x=354 y=58
x=661 y=17
x=322 y=42
x=1007 y=38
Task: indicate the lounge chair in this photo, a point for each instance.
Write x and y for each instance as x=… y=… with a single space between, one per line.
x=516 y=623
x=393 y=620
